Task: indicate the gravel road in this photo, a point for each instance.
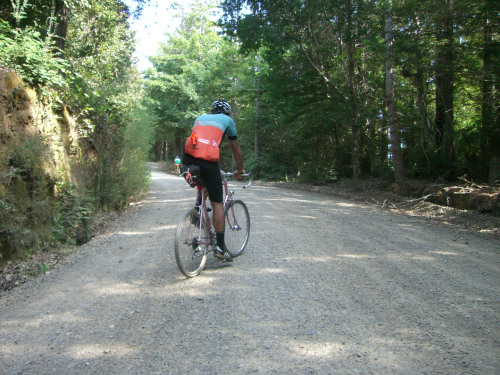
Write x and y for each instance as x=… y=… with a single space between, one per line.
x=325 y=286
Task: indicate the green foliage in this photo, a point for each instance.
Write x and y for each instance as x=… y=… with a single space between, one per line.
x=192 y=68
x=72 y=213
x=124 y=176
x=106 y=89
x=91 y=77
x=265 y=168
x=36 y=208
x=305 y=46
x=25 y=52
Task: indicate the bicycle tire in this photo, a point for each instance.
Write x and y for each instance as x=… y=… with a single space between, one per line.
x=237 y=230
x=190 y=257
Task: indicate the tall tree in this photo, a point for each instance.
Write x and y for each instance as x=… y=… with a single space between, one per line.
x=395 y=138
x=444 y=77
x=490 y=106
x=61 y=14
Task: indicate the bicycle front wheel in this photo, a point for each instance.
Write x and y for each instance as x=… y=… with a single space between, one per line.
x=237 y=227
x=191 y=246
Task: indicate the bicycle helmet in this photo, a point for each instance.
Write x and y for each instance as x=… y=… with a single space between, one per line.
x=221 y=106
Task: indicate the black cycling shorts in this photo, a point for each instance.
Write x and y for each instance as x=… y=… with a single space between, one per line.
x=210 y=172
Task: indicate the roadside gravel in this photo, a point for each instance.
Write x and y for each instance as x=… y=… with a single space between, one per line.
x=325 y=286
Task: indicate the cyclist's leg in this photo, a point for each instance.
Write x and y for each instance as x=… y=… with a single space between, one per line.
x=213 y=182
x=210 y=172
x=218 y=216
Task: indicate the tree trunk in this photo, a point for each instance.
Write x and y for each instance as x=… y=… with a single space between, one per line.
x=356 y=166
x=157 y=150
x=62 y=26
x=233 y=110
x=395 y=139
x=256 y=144
x=177 y=146
x=490 y=111
x=165 y=148
x=422 y=108
x=444 y=71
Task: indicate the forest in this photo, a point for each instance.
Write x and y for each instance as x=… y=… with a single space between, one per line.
x=321 y=90
x=327 y=89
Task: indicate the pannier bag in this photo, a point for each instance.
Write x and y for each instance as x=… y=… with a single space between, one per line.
x=204 y=142
x=192 y=174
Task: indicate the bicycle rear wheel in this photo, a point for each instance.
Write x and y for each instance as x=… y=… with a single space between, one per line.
x=237 y=227
x=189 y=254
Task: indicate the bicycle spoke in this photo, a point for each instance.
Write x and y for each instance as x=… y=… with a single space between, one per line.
x=237 y=227
x=191 y=246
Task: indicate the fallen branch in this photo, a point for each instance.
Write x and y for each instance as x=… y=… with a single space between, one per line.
x=415 y=200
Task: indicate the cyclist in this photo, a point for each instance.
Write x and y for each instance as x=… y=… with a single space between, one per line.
x=177 y=164
x=202 y=149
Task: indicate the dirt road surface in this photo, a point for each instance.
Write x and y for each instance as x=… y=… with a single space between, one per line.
x=325 y=286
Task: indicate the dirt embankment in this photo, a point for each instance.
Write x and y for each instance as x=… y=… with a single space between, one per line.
x=42 y=155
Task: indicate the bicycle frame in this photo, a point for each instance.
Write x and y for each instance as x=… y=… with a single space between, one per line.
x=228 y=199
x=195 y=237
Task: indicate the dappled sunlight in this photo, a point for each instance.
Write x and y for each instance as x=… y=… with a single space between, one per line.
x=48 y=318
x=359 y=256
x=117 y=289
x=284 y=199
x=422 y=257
x=201 y=282
x=260 y=187
x=446 y=253
x=269 y=217
x=163 y=227
x=190 y=199
x=381 y=349
x=96 y=350
x=306 y=217
x=343 y=204
x=65 y=317
x=155 y=200
x=271 y=270
x=325 y=258
x=133 y=233
x=315 y=349
x=162 y=176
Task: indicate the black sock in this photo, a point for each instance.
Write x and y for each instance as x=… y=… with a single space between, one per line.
x=220 y=240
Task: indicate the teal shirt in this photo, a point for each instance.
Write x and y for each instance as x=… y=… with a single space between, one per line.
x=223 y=122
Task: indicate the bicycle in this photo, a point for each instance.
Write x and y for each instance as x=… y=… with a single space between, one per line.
x=195 y=237
x=177 y=170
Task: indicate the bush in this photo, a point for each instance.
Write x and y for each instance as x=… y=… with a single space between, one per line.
x=72 y=214
x=30 y=57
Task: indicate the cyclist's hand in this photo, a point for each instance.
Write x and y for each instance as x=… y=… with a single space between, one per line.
x=236 y=174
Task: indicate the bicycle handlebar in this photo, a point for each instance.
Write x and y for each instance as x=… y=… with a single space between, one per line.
x=249 y=175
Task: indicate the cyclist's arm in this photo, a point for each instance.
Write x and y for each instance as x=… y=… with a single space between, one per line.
x=238 y=157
